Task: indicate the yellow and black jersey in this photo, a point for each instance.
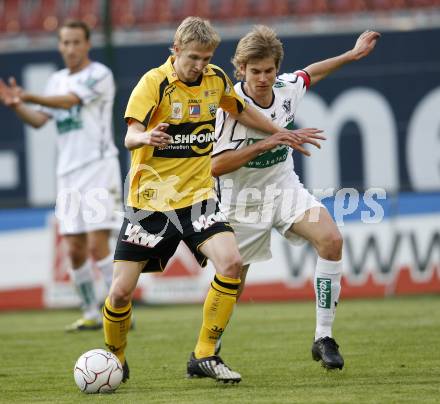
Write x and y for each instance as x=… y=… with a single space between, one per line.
x=180 y=174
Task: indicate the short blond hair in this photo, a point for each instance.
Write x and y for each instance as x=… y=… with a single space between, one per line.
x=196 y=29
x=262 y=42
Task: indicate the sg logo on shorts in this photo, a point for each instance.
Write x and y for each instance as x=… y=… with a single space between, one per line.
x=142 y=238
x=203 y=222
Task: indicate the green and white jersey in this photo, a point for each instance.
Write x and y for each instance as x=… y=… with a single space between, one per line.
x=271 y=168
x=85 y=130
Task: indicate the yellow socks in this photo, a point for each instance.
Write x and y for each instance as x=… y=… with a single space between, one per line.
x=116 y=323
x=217 y=310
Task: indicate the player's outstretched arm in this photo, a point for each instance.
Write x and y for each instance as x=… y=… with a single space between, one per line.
x=254 y=119
x=363 y=47
x=232 y=160
x=12 y=96
x=64 y=101
x=299 y=137
x=137 y=136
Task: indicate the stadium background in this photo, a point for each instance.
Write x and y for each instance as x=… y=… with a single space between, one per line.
x=380 y=115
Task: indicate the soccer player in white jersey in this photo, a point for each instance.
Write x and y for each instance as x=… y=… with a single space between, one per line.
x=80 y=100
x=256 y=181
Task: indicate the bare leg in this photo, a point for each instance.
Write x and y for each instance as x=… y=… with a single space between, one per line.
x=99 y=250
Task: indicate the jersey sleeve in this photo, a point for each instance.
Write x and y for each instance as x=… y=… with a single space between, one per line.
x=143 y=100
x=99 y=84
x=305 y=76
x=230 y=101
x=229 y=133
x=299 y=82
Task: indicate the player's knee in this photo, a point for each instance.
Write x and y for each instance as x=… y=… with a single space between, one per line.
x=231 y=266
x=120 y=294
x=330 y=246
x=77 y=254
x=96 y=252
x=98 y=246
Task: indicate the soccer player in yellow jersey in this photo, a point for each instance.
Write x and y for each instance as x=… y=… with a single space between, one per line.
x=171 y=121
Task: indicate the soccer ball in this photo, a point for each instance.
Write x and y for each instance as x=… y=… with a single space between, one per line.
x=97 y=371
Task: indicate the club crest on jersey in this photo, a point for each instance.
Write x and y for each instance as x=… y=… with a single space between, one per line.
x=279 y=84
x=290 y=118
x=149 y=194
x=90 y=82
x=287 y=106
x=194 y=110
x=212 y=109
x=176 y=110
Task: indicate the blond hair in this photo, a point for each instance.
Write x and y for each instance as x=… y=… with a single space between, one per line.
x=196 y=29
x=260 y=43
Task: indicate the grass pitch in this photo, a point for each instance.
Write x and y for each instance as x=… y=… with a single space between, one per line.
x=390 y=346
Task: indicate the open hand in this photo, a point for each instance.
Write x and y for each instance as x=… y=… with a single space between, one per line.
x=10 y=95
x=365 y=44
x=158 y=137
x=298 y=137
x=295 y=139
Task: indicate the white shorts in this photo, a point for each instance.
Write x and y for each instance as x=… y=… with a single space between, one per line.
x=90 y=198
x=254 y=233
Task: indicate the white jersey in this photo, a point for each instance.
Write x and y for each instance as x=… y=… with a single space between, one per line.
x=274 y=167
x=85 y=130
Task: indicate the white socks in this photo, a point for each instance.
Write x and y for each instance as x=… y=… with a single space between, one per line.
x=327 y=284
x=83 y=280
x=106 y=267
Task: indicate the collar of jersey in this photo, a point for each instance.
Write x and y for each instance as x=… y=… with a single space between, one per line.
x=172 y=75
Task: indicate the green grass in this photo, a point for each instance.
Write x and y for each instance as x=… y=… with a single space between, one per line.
x=390 y=348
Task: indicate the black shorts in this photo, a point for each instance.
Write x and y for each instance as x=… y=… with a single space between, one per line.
x=154 y=236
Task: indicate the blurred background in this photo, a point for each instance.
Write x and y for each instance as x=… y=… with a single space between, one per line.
x=381 y=117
